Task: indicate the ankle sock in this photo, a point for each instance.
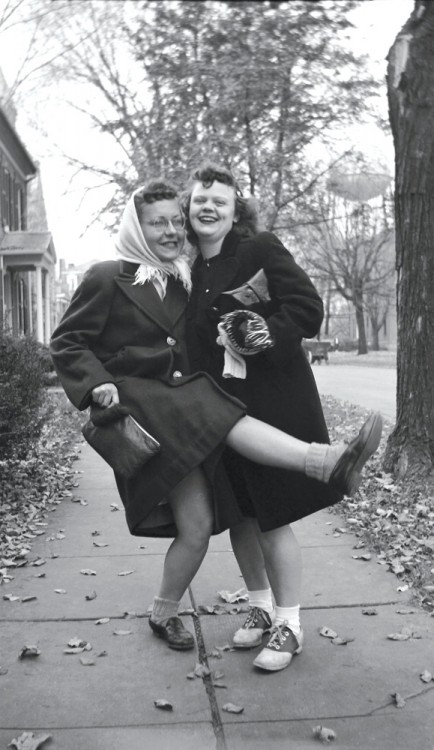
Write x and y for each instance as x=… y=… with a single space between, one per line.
x=261 y=598
x=292 y=617
x=321 y=459
x=162 y=609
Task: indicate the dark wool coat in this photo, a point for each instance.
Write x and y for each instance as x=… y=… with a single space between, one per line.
x=124 y=334
x=279 y=388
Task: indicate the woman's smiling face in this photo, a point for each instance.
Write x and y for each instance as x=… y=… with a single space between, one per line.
x=163 y=228
x=212 y=211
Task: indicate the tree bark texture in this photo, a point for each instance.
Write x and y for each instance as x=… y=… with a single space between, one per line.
x=410 y=82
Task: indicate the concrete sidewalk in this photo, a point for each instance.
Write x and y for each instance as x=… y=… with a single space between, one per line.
x=108 y=704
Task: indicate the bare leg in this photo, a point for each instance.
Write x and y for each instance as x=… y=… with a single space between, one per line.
x=282 y=558
x=191 y=505
x=267 y=445
x=248 y=553
x=269 y=558
x=339 y=464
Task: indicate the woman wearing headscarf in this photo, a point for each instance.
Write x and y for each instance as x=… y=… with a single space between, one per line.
x=122 y=341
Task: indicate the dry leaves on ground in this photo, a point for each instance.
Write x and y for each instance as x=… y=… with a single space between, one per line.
x=395 y=519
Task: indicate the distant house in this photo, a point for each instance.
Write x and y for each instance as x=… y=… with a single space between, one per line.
x=27 y=254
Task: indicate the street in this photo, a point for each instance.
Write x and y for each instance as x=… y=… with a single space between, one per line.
x=371 y=387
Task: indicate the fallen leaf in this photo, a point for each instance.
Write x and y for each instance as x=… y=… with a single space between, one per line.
x=122 y=632
x=102 y=621
x=399 y=636
x=405 y=611
x=28 y=652
x=96 y=533
x=339 y=641
x=399 y=700
x=60 y=591
x=38 y=562
x=29 y=741
x=426 y=676
x=90 y=597
x=126 y=573
x=163 y=704
x=323 y=733
x=365 y=557
x=100 y=544
x=11 y=598
x=60 y=535
x=87 y=662
x=231 y=708
x=114 y=506
x=403 y=588
x=191 y=676
x=201 y=670
x=28 y=599
x=102 y=653
x=3 y=671
x=88 y=572
x=218 y=674
x=77 y=643
x=219 y=685
x=215 y=654
x=328 y=632
x=369 y=611
x=236 y=596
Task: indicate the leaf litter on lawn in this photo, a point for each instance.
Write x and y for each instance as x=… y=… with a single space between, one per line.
x=394 y=518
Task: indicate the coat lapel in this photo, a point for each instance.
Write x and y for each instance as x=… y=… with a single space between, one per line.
x=146 y=298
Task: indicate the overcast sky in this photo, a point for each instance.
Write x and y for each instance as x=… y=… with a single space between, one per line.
x=377 y=23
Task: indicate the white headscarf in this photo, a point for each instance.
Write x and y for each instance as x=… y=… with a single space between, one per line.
x=131 y=246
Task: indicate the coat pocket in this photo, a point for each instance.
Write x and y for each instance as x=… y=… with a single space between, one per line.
x=253 y=290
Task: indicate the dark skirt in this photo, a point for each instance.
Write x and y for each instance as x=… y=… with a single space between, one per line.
x=190 y=418
x=290 y=402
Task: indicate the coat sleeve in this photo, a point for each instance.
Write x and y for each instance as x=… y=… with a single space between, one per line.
x=77 y=335
x=296 y=308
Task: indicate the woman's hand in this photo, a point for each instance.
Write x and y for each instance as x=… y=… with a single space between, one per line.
x=105 y=395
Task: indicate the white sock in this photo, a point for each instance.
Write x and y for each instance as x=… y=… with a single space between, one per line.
x=162 y=609
x=261 y=598
x=292 y=617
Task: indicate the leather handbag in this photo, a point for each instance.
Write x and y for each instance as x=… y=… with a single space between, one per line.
x=119 y=439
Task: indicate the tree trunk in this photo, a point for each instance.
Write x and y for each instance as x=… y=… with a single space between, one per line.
x=360 y=319
x=375 y=343
x=410 y=82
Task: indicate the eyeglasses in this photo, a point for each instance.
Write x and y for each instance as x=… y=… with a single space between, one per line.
x=162 y=224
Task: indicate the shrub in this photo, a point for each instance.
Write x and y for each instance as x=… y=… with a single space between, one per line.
x=22 y=377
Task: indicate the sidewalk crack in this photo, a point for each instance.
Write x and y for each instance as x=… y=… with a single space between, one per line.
x=217 y=723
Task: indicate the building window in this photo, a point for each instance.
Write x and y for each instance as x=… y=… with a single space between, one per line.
x=12 y=206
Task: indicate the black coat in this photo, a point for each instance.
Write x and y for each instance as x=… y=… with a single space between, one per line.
x=279 y=388
x=114 y=331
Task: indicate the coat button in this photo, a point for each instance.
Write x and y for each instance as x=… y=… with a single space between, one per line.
x=177 y=374
x=171 y=341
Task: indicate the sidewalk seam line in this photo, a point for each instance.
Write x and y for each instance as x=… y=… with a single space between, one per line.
x=217 y=723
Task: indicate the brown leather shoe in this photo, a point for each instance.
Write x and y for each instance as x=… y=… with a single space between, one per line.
x=346 y=475
x=174 y=633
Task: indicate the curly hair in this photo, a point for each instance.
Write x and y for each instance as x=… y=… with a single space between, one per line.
x=155 y=190
x=207 y=174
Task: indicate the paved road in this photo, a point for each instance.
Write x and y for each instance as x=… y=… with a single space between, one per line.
x=371 y=387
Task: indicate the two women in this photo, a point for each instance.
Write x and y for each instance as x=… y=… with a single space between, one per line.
x=122 y=340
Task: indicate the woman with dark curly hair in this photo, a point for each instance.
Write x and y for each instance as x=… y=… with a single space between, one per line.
x=250 y=307
x=122 y=341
